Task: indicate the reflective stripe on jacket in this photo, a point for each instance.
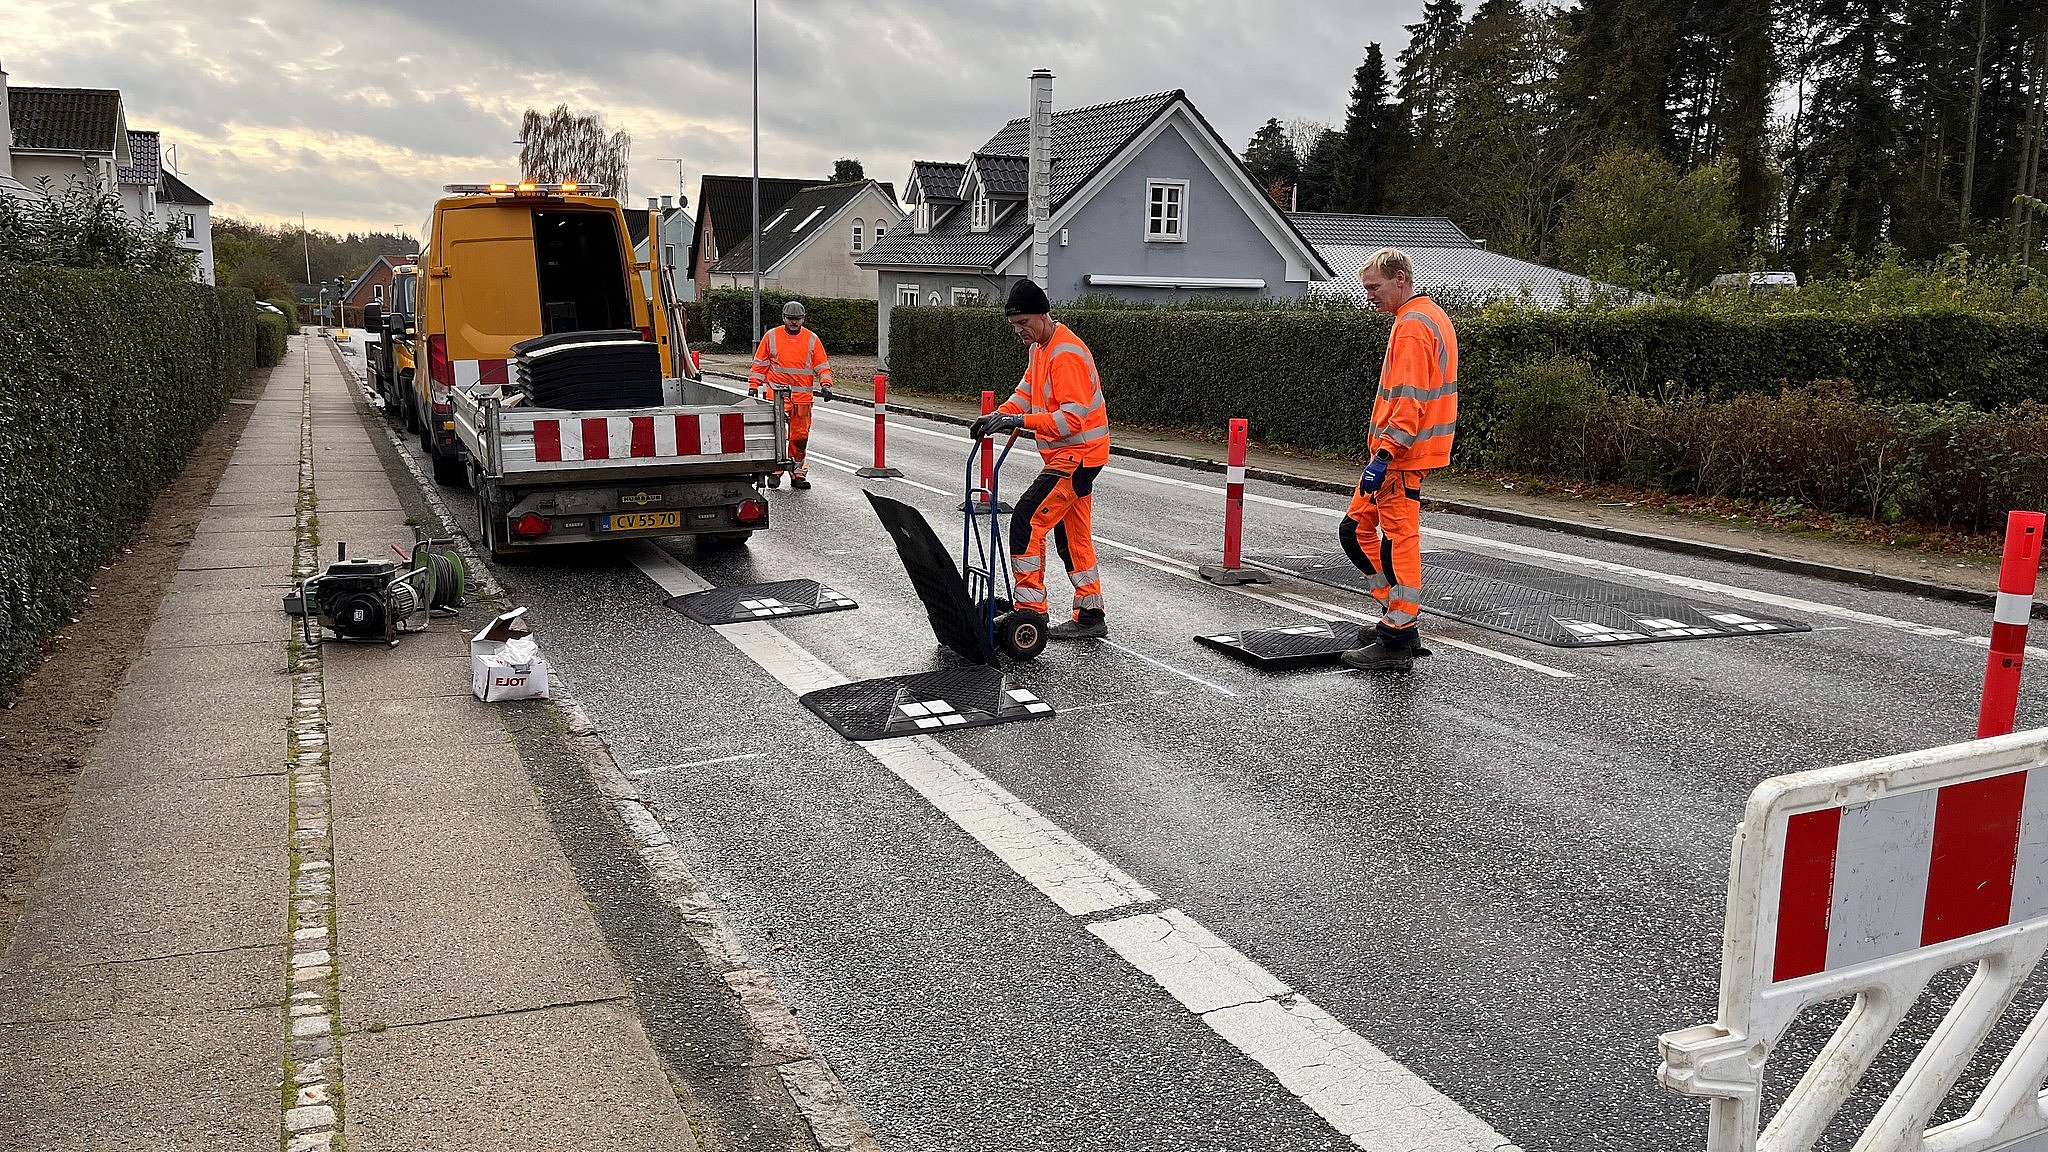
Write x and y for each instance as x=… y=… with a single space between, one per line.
x=1060 y=398
x=1415 y=414
x=797 y=362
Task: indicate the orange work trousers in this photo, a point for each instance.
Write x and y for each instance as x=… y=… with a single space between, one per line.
x=799 y=414
x=1060 y=505
x=1382 y=533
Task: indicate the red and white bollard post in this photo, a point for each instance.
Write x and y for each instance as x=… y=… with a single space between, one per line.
x=881 y=469
x=1996 y=714
x=1231 y=571
x=979 y=503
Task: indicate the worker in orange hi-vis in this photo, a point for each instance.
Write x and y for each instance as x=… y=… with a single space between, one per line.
x=792 y=356
x=1059 y=401
x=1414 y=419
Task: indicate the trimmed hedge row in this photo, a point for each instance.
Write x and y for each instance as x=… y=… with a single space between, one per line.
x=1306 y=377
x=107 y=382
x=844 y=325
x=272 y=333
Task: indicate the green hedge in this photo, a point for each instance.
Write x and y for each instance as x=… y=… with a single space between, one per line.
x=1305 y=377
x=107 y=382
x=844 y=325
x=272 y=333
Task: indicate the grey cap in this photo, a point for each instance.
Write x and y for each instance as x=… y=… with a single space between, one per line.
x=792 y=309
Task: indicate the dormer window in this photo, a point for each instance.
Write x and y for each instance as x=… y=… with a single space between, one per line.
x=979 y=222
x=921 y=221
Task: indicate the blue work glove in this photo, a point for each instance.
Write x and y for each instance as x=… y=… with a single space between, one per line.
x=1375 y=472
x=995 y=424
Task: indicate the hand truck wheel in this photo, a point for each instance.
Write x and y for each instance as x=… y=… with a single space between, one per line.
x=1020 y=635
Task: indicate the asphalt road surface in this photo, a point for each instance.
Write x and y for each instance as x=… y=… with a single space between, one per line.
x=1208 y=907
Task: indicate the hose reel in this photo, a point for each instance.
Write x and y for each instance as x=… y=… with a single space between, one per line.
x=376 y=601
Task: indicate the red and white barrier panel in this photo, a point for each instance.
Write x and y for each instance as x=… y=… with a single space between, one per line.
x=1231 y=570
x=471 y=373
x=880 y=468
x=638 y=437
x=1868 y=881
x=2000 y=706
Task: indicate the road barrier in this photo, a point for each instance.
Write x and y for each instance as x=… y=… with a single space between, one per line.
x=881 y=467
x=978 y=501
x=1231 y=571
x=1995 y=715
x=1869 y=880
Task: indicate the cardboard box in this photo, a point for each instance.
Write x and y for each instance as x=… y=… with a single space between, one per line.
x=505 y=663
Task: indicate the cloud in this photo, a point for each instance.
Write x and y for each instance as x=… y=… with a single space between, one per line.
x=356 y=113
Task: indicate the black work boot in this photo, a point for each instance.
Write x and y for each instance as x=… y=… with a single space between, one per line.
x=1089 y=625
x=1391 y=650
x=800 y=482
x=775 y=479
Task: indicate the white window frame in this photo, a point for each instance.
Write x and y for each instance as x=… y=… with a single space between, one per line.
x=1157 y=223
x=934 y=300
x=921 y=220
x=966 y=297
x=857 y=235
x=906 y=295
x=979 y=221
x=377 y=293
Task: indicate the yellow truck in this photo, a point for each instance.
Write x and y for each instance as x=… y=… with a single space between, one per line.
x=389 y=350
x=564 y=394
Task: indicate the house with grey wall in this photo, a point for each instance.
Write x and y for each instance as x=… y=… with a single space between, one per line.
x=810 y=244
x=1137 y=198
x=1448 y=263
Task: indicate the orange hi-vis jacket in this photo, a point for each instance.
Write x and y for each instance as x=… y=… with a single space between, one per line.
x=796 y=361
x=1060 y=398
x=1415 y=414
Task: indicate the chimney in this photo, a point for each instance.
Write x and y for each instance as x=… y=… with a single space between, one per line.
x=1039 y=183
x=6 y=129
x=667 y=202
x=653 y=202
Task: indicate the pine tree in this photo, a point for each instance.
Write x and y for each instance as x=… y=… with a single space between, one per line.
x=1317 y=191
x=1425 y=67
x=1371 y=139
x=1270 y=157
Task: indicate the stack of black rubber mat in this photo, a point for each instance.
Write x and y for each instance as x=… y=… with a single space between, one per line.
x=613 y=368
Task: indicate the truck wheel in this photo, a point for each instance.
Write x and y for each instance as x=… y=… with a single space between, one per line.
x=1020 y=635
x=724 y=539
x=450 y=471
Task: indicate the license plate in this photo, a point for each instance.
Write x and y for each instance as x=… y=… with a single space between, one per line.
x=638 y=521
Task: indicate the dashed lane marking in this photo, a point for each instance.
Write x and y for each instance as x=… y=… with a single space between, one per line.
x=1357 y=1089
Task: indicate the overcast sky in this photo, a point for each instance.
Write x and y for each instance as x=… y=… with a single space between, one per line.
x=355 y=113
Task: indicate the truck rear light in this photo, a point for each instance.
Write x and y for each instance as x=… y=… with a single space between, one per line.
x=531 y=524
x=439 y=371
x=750 y=512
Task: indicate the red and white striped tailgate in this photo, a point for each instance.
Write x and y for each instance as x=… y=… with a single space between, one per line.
x=1866 y=881
x=668 y=436
x=470 y=373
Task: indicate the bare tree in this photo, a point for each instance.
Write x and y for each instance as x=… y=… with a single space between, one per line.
x=1302 y=136
x=562 y=145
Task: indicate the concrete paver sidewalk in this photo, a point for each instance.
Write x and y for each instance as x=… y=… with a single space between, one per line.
x=341 y=875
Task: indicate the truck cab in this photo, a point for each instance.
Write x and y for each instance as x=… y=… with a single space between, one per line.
x=390 y=357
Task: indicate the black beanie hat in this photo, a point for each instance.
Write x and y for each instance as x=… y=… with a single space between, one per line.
x=1027 y=299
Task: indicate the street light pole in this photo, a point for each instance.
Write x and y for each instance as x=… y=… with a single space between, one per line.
x=757 y=172
x=307 y=241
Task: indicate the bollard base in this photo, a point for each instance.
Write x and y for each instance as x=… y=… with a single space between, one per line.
x=980 y=507
x=878 y=473
x=1217 y=574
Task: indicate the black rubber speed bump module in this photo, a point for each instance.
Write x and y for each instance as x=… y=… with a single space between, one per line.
x=967 y=696
x=1280 y=649
x=751 y=602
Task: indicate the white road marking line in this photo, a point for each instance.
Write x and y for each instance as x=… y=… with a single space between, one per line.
x=1985 y=642
x=1789 y=603
x=1440 y=638
x=1069 y=873
x=847 y=467
x=1163 y=666
x=639 y=772
x=1360 y=1091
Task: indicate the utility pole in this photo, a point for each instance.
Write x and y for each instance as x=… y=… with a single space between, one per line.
x=682 y=193
x=757 y=172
